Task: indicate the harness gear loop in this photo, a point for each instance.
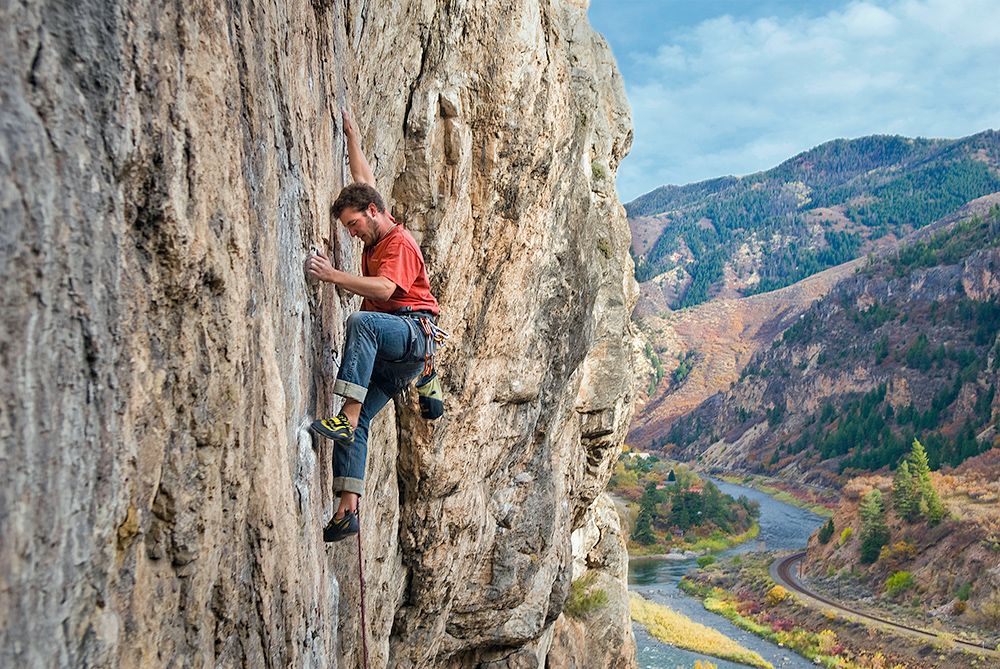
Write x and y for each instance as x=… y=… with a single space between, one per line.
x=361 y=581
x=425 y=325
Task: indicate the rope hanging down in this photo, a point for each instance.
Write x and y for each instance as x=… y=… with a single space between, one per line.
x=361 y=581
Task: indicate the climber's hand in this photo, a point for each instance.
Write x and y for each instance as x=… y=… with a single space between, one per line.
x=348 y=123
x=319 y=267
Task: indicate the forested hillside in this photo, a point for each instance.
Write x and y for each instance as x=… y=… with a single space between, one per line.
x=819 y=209
x=906 y=348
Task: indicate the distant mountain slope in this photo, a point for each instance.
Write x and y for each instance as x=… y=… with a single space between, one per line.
x=906 y=346
x=718 y=339
x=746 y=235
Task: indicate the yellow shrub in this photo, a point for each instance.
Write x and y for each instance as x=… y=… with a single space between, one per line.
x=827 y=641
x=775 y=596
x=904 y=550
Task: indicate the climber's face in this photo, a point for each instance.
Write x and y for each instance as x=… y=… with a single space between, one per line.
x=361 y=224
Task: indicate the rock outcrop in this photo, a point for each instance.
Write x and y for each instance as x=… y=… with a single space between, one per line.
x=601 y=636
x=164 y=170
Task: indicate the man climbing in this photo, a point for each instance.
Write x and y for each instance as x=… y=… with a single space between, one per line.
x=387 y=345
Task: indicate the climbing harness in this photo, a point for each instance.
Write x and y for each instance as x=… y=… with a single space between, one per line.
x=361 y=581
x=431 y=394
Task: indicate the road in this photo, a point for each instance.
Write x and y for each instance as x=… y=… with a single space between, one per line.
x=782 y=574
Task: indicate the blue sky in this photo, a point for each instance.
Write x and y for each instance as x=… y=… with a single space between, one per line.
x=723 y=87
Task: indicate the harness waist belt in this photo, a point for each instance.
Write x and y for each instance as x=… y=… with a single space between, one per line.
x=406 y=312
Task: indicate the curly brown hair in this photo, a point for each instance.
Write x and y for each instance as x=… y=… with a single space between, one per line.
x=357 y=196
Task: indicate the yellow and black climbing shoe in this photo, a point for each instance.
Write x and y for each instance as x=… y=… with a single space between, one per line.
x=337 y=428
x=341 y=528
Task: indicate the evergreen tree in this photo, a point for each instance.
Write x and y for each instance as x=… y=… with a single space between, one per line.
x=712 y=506
x=904 y=498
x=650 y=499
x=929 y=502
x=671 y=476
x=874 y=531
x=919 y=466
x=872 y=508
x=643 y=532
x=826 y=532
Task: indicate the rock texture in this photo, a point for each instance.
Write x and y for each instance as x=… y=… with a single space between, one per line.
x=602 y=638
x=165 y=170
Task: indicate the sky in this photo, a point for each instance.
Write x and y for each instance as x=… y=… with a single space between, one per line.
x=721 y=87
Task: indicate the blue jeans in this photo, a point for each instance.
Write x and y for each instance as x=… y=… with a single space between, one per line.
x=383 y=353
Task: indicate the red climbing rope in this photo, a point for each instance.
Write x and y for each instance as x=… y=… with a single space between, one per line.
x=361 y=581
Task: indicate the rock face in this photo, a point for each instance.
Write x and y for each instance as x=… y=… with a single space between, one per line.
x=601 y=638
x=164 y=170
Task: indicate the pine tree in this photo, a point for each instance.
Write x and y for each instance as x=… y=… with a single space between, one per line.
x=872 y=508
x=643 y=533
x=874 y=531
x=904 y=500
x=929 y=502
x=919 y=465
x=826 y=532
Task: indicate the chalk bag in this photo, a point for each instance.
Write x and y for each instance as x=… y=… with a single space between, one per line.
x=431 y=396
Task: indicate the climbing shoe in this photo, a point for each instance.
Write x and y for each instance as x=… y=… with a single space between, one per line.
x=341 y=528
x=337 y=428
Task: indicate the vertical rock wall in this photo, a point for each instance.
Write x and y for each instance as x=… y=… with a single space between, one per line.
x=164 y=169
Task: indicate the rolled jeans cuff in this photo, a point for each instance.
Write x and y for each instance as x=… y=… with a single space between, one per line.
x=348 y=484
x=350 y=390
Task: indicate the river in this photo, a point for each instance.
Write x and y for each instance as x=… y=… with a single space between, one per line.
x=782 y=527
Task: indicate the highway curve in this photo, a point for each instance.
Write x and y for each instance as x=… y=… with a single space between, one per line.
x=782 y=574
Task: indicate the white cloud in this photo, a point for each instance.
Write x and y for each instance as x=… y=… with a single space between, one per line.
x=730 y=96
x=865 y=21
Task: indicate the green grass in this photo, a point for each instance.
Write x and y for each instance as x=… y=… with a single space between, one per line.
x=584 y=598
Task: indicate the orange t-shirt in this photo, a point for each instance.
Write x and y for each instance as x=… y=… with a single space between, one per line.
x=397 y=257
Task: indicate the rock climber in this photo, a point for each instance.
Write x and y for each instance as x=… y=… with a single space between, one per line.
x=387 y=345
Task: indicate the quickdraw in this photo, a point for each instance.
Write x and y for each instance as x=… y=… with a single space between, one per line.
x=431 y=331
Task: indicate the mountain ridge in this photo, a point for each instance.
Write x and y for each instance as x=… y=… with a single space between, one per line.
x=761 y=413
x=836 y=202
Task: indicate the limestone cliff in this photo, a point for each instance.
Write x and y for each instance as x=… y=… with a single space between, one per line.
x=164 y=169
x=601 y=637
